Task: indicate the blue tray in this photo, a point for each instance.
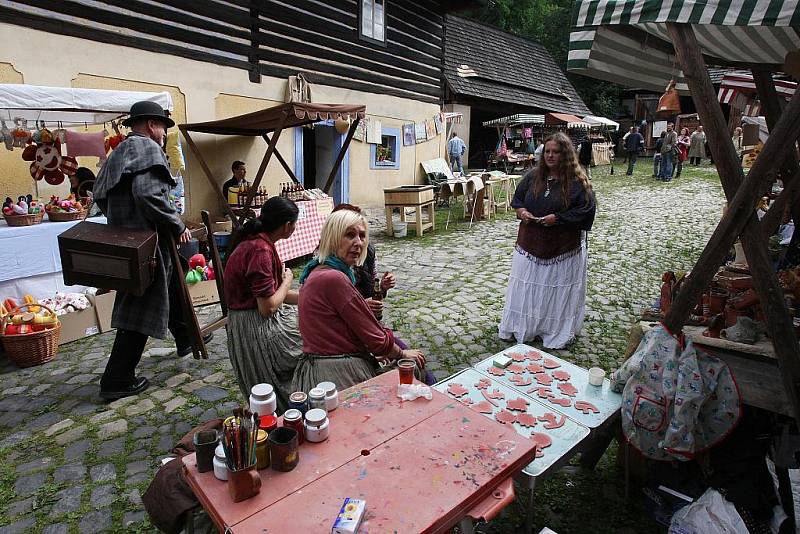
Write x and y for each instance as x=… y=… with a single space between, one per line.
x=601 y=397
x=563 y=439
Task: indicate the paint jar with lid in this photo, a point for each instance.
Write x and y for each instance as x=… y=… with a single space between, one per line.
x=316 y=400
x=331 y=395
x=263 y=400
x=220 y=467
x=317 y=427
x=262 y=450
x=299 y=401
x=293 y=418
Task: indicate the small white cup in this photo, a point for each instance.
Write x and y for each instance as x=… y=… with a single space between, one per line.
x=596 y=376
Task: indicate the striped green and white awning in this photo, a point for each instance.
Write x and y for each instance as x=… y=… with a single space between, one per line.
x=626 y=41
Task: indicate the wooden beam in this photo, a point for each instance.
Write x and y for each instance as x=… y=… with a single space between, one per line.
x=252 y=58
x=340 y=157
x=740 y=212
x=207 y=171
x=263 y=167
x=282 y=161
x=219 y=275
x=189 y=317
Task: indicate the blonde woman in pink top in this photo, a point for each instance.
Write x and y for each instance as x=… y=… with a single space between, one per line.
x=342 y=339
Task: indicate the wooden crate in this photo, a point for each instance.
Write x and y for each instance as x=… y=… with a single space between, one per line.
x=408 y=195
x=107 y=257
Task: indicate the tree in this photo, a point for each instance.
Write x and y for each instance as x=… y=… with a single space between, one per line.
x=548 y=22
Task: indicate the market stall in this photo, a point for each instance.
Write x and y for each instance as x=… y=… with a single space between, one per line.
x=35 y=266
x=600 y=129
x=647 y=45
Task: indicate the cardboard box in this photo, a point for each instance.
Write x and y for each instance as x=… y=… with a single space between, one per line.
x=203 y=293
x=77 y=325
x=103 y=307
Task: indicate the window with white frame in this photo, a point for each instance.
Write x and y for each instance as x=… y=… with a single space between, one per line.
x=373 y=21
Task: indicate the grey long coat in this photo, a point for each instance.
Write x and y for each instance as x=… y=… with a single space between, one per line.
x=132 y=189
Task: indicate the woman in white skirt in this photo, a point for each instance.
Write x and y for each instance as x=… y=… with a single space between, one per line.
x=547 y=286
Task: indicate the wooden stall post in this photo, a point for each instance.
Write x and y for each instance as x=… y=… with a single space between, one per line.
x=282 y=161
x=740 y=218
x=340 y=157
x=207 y=171
x=263 y=167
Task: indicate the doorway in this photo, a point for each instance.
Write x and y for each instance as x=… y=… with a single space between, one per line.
x=315 y=154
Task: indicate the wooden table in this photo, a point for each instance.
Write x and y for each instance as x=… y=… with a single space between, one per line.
x=419 y=197
x=489 y=390
x=421 y=466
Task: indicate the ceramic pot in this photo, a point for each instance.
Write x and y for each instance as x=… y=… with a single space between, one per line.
x=244 y=483
x=284 y=448
x=205 y=443
x=732 y=315
x=716 y=301
x=715 y=325
x=745 y=300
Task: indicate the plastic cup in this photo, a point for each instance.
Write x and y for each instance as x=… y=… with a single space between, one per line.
x=596 y=376
x=406 y=368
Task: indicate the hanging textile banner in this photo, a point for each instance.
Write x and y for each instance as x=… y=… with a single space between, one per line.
x=408 y=134
x=374 y=132
x=419 y=132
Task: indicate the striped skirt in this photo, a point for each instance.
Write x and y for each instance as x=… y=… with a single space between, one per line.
x=265 y=350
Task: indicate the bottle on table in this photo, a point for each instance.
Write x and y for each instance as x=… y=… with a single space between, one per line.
x=377 y=294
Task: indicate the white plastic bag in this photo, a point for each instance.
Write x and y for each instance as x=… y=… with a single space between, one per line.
x=710 y=514
x=409 y=392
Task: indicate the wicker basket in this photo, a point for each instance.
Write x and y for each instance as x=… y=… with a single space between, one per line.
x=35 y=348
x=24 y=220
x=66 y=216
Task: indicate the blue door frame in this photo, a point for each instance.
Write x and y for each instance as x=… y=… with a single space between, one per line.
x=340 y=190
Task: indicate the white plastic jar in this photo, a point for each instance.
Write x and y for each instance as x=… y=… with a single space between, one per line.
x=220 y=467
x=331 y=395
x=316 y=399
x=263 y=400
x=316 y=425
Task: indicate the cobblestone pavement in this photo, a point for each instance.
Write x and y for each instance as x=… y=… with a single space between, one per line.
x=71 y=463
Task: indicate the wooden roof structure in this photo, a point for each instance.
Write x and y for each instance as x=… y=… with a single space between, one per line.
x=273 y=121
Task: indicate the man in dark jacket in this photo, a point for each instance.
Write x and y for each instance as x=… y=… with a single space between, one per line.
x=133 y=191
x=633 y=145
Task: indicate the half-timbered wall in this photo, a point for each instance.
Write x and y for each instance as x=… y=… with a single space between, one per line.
x=264 y=37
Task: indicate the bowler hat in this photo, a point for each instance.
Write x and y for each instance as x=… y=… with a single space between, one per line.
x=148 y=110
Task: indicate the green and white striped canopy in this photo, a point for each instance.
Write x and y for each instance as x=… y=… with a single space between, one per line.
x=626 y=41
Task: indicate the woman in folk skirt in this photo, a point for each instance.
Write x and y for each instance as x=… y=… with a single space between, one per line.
x=547 y=286
x=342 y=339
x=264 y=342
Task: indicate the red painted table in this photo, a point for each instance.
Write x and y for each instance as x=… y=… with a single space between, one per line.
x=421 y=466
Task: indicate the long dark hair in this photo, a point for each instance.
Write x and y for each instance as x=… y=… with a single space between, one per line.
x=569 y=169
x=275 y=212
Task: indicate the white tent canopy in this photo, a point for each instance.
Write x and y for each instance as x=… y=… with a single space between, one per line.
x=594 y=121
x=69 y=106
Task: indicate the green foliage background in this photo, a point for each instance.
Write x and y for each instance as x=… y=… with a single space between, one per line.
x=548 y=22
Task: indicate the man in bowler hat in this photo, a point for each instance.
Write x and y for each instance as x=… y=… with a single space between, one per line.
x=133 y=191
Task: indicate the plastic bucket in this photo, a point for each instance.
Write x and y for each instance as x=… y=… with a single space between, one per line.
x=222 y=239
x=400 y=229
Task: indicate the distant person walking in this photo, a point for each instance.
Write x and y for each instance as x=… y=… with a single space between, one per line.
x=657 y=156
x=668 y=148
x=625 y=142
x=697 y=146
x=683 y=150
x=738 y=142
x=456 y=148
x=634 y=143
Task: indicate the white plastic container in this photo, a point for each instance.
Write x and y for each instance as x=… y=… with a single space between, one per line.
x=331 y=395
x=596 y=376
x=400 y=229
x=220 y=467
x=316 y=425
x=263 y=400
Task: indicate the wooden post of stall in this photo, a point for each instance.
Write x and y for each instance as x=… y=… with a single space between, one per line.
x=207 y=171
x=263 y=167
x=740 y=218
x=340 y=157
x=282 y=161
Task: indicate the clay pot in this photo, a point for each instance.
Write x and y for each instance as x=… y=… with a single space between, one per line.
x=745 y=300
x=715 y=325
x=716 y=301
x=244 y=483
x=732 y=315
